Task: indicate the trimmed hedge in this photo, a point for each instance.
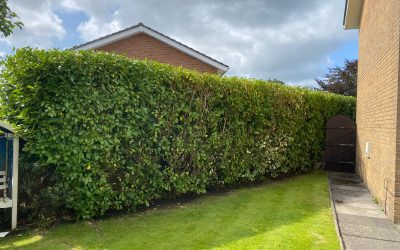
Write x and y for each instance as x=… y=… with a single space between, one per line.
x=104 y=132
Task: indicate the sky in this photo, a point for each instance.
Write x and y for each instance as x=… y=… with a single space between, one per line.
x=293 y=41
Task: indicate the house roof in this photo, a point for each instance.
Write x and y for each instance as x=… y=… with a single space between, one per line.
x=5 y=127
x=352 y=14
x=141 y=28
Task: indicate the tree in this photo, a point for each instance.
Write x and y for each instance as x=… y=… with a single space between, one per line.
x=341 y=80
x=8 y=19
x=274 y=80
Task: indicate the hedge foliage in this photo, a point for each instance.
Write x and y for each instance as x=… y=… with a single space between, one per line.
x=104 y=132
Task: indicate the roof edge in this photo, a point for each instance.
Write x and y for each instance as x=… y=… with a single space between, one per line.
x=7 y=127
x=141 y=28
x=352 y=14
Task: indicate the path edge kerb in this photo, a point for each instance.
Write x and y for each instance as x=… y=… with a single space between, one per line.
x=334 y=215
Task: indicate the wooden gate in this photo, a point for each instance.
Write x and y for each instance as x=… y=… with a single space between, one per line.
x=340 y=144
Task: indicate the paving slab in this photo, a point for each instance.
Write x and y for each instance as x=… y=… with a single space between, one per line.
x=382 y=233
x=354 y=242
x=364 y=221
x=361 y=223
x=344 y=188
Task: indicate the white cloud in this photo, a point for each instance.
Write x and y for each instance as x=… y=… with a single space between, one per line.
x=41 y=25
x=93 y=28
x=101 y=14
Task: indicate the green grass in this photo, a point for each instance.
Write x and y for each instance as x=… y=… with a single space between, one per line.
x=288 y=214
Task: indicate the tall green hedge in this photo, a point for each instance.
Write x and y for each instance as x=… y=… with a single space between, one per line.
x=103 y=132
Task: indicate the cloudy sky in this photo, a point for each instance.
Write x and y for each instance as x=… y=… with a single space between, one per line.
x=294 y=41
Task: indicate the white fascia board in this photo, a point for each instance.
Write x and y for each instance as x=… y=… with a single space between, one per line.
x=185 y=49
x=6 y=126
x=111 y=39
x=119 y=36
x=352 y=18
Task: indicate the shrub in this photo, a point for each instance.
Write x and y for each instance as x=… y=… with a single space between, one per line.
x=103 y=132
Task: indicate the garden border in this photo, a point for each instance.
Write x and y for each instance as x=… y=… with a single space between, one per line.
x=335 y=216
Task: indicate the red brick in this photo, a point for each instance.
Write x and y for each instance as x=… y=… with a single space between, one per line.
x=142 y=46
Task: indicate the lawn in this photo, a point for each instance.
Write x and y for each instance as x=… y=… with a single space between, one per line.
x=288 y=214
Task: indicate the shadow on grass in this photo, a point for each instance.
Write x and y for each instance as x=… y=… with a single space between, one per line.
x=291 y=214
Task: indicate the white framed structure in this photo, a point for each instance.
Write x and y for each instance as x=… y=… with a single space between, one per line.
x=353 y=14
x=9 y=155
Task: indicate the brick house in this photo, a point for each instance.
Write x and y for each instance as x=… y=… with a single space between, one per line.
x=378 y=103
x=143 y=42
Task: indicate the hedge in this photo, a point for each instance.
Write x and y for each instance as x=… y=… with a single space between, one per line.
x=103 y=132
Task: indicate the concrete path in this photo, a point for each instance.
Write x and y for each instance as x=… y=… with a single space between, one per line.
x=361 y=222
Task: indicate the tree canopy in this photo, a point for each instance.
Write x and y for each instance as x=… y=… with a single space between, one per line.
x=341 y=80
x=9 y=20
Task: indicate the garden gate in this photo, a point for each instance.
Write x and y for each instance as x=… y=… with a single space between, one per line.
x=340 y=144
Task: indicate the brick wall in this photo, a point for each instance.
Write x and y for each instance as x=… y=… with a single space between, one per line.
x=378 y=102
x=143 y=46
